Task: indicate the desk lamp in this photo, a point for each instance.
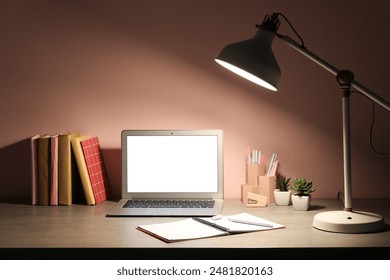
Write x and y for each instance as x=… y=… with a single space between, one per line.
x=254 y=60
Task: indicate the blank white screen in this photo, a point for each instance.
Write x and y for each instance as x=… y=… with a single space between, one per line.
x=172 y=164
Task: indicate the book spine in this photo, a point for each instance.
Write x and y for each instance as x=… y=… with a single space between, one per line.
x=44 y=170
x=54 y=170
x=221 y=228
x=34 y=170
x=64 y=170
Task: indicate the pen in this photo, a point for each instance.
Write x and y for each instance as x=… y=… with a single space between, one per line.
x=251 y=223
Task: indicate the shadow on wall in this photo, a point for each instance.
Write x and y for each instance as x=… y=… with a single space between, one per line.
x=112 y=160
x=15 y=170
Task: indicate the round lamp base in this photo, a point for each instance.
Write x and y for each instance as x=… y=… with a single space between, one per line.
x=349 y=222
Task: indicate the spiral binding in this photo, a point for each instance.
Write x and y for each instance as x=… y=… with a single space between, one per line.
x=211 y=224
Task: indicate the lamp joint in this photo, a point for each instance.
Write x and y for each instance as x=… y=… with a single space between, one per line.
x=270 y=23
x=345 y=78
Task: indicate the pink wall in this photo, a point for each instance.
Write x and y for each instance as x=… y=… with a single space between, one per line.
x=99 y=67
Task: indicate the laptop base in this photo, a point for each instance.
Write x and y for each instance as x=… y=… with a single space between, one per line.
x=120 y=211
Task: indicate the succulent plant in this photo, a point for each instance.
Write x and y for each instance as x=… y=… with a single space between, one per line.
x=283 y=183
x=302 y=187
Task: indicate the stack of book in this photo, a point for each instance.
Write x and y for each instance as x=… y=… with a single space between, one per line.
x=68 y=168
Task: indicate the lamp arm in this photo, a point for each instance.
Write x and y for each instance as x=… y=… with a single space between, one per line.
x=346 y=80
x=290 y=42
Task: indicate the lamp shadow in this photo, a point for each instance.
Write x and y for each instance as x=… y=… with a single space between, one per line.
x=112 y=161
x=15 y=172
x=316 y=207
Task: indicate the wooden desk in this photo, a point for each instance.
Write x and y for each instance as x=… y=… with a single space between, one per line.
x=79 y=226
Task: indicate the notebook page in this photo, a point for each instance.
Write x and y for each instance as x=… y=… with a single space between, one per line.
x=181 y=230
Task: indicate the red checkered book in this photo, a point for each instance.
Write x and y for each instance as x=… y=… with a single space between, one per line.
x=96 y=169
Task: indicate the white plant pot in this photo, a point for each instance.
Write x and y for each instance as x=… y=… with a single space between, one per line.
x=282 y=198
x=301 y=203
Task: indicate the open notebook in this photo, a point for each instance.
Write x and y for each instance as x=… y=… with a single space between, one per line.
x=196 y=228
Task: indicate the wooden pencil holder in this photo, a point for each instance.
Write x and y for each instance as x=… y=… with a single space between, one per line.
x=267 y=185
x=253 y=171
x=256 y=200
x=248 y=188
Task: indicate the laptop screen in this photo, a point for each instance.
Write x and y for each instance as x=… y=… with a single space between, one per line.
x=176 y=164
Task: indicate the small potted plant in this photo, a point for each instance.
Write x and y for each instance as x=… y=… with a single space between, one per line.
x=302 y=193
x=282 y=193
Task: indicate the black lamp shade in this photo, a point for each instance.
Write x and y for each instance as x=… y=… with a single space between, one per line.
x=253 y=59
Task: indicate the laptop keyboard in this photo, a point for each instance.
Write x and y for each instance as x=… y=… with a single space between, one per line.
x=168 y=203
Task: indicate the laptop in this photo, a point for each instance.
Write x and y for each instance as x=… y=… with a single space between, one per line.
x=171 y=173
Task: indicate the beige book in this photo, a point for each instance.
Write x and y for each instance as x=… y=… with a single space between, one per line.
x=65 y=169
x=82 y=167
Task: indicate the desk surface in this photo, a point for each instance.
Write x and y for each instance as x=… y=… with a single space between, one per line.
x=81 y=226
